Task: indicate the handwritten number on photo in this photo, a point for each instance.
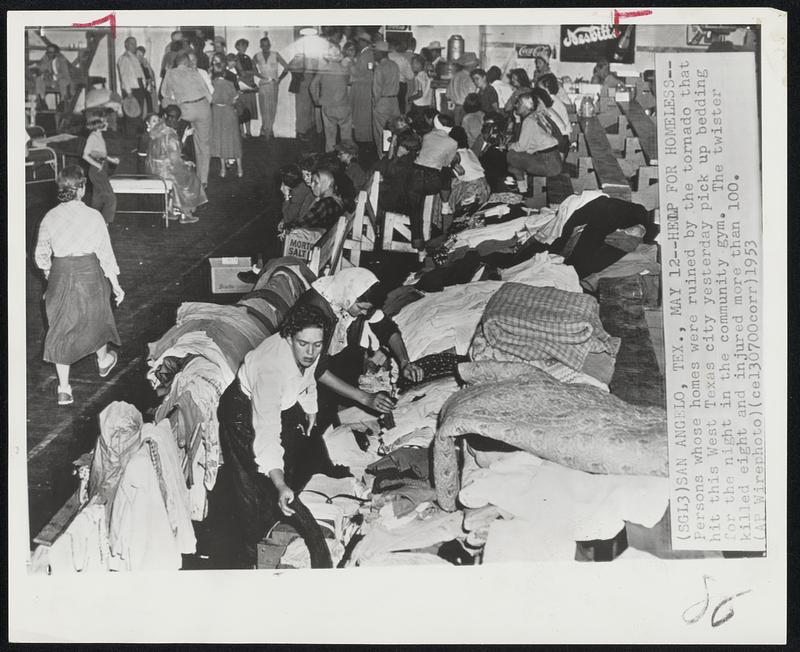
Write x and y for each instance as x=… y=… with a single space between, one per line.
x=702 y=607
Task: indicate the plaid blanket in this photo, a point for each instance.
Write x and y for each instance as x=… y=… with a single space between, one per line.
x=533 y=323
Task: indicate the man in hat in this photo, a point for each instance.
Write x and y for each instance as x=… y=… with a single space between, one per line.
x=435 y=48
x=385 y=85
x=361 y=88
x=461 y=84
x=132 y=83
x=329 y=90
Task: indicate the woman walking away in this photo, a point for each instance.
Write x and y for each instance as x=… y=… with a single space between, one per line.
x=74 y=252
x=226 y=138
x=96 y=155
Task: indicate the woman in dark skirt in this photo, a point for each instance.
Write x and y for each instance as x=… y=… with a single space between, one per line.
x=74 y=252
x=266 y=416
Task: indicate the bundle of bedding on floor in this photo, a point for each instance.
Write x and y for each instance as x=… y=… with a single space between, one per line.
x=556 y=330
x=197 y=359
x=578 y=426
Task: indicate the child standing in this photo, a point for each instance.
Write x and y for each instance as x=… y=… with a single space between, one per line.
x=96 y=155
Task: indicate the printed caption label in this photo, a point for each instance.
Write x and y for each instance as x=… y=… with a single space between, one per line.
x=710 y=197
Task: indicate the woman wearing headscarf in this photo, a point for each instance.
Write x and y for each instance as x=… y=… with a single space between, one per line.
x=226 y=137
x=74 y=252
x=164 y=159
x=351 y=298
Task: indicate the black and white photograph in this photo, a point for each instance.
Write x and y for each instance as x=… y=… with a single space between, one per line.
x=326 y=329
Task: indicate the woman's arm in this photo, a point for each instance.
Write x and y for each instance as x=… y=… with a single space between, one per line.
x=44 y=250
x=379 y=402
x=409 y=370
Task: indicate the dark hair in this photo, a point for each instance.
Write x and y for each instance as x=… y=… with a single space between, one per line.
x=549 y=82
x=349 y=44
x=56 y=49
x=140 y=48
x=302 y=316
x=477 y=71
x=150 y=115
x=172 y=109
x=69 y=181
x=265 y=38
x=446 y=120
x=409 y=140
x=176 y=46
x=542 y=96
x=291 y=175
x=308 y=161
x=375 y=294
x=521 y=75
x=241 y=41
x=493 y=74
x=472 y=103
x=460 y=136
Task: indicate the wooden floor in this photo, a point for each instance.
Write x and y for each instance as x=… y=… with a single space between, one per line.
x=160 y=268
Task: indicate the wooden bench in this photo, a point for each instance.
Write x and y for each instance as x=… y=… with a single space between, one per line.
x=605 y=166
x=326 y=254
x=362 y=236
x=144 y=184
x=641 y=151
x=396 y=227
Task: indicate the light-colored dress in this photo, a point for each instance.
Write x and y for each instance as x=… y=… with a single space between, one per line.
x=164 y=159
x=226 y=138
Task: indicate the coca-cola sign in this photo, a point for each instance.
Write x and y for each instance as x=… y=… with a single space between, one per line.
x=531 y=51
x=592 y=42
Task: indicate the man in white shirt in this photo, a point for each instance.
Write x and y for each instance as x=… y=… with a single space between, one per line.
x=132 y=78
x=422 y=95
x=536 y=150
x=398 y=54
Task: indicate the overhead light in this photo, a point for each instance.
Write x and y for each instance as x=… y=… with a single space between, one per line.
x=309 y=31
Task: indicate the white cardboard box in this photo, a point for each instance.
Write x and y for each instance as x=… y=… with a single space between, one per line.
x=223 y=275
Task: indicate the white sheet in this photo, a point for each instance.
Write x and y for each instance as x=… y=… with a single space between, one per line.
x=443 y=320
x=559 y=505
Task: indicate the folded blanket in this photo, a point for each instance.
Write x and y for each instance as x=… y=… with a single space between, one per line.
x=541 y=323
x=578 y=426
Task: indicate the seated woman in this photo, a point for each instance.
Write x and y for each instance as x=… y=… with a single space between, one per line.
x=521 y=83
x=164 y=159
x=265 y=421
x=326 y=208
x=473 y=118
x=395 y=173
x=469 y=180
x=297 y=196
x=347 y=151
x=350 y=299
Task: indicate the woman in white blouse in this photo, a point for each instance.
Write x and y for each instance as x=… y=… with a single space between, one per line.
x=266 y=417
x=74 y=252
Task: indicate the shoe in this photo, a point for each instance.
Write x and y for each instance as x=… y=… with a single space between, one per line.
x=189 y=219
x=104 y=371
x=65 y=398
x=247 y=277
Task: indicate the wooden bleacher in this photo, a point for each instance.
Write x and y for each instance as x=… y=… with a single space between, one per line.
x=604 y=164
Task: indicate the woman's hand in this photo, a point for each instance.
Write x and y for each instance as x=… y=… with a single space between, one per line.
x=412 y=372
x=380 y=402
x=119 y=295
x=285 y=496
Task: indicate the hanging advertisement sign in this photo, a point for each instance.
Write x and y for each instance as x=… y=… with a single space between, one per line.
x=531 y=51
x=592 y=42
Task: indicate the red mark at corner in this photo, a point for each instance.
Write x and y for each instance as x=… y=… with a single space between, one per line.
x=628 y=14
x=111 y=19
